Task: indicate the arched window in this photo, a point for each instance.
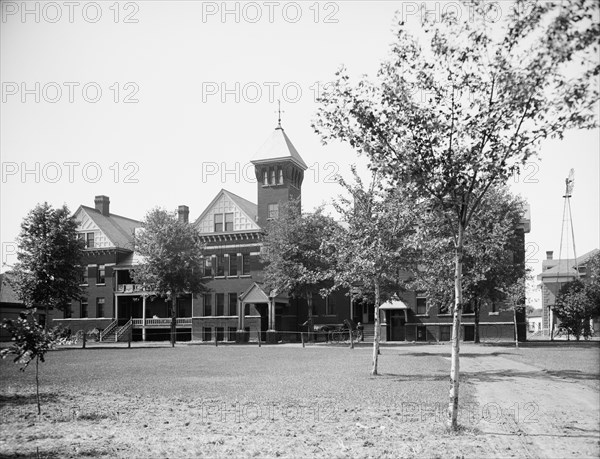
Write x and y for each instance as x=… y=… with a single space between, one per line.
x=281 y=176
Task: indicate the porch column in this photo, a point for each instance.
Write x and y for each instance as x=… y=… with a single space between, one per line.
x=271 y=313
x=241 y=315
x=143 y=317
x=116 y=307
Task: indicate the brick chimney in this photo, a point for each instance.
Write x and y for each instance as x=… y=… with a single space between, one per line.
x=102 y=205
x=183 y=213
x=549 y=254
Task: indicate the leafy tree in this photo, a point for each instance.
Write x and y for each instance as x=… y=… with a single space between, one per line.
x=575 y=307
x=172 y=253
x=491 y=251
x=48 y=265
x=515 y=296
x=369 y=247
x=459 y=107
x=295 y=260
x=30 y=341
x=592 y=280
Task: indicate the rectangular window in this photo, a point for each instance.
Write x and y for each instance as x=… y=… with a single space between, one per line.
x=245 y=264
x=272 y=176
x=233 y=261
x=101 y=275
x=280 y=176
x=218 y=223
x=247 y=309
x=232 y=304
x=469 y=307
x=229 y=221
x=273 y=211
x=220 y=304
x=220 y=331
x=328 y=305
x=444 y=309
x=99 y=307
x=232 y=333
x=89 y=244
x=83 y=275
x=206 y=334
x=68 y=312
x=265 y=177
x=220 y=265
x=208 y=267
x=421 y=305
x=84 y=309
x=207 y=304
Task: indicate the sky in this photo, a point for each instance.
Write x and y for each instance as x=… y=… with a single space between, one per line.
x=157 y=103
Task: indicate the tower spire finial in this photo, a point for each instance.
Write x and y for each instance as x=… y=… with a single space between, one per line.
x=279 y=112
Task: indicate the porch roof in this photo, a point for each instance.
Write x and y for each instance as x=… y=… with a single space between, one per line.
x=394 y=304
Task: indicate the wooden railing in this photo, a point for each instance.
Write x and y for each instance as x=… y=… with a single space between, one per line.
x=124 y=329
x=166 y=322
x=108 y=330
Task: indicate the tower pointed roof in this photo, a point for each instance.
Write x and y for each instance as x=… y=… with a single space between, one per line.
x=278 y=147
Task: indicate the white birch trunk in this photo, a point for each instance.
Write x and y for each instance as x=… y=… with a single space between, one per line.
x=456 y=320
x=377 y=331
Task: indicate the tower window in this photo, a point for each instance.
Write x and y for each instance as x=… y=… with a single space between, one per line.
x=265 y=177
x=273 y=211
x=272 y=176
x=280 y=176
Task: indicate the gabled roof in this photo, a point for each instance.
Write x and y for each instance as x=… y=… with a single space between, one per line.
x=278 y=147
x=567 y=267
x=7 y=294
x=247 y=208
x=119 y=230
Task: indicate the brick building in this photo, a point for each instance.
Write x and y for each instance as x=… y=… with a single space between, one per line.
x=236 y=308
x=555 y=273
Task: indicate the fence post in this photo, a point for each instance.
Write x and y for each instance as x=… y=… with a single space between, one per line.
x=258 y=334
x=216 y=339
x=129 y=337
x=302 y=337
x=83 y=342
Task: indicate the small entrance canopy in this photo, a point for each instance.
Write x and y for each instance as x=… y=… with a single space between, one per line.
x=395 y=304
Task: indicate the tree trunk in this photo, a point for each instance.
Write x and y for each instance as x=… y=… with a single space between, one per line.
x=377 y=331
x=309 y=302
x=46 y=318
x=173 y=319
x=516 y=329
x=37 y=384
x=476 y=320
x=456 y=319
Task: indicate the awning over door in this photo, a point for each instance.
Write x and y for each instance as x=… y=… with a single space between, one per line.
x=395 y=305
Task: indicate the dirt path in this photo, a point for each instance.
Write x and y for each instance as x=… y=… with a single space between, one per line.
x=521 y=407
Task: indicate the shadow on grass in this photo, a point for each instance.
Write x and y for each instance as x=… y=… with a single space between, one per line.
x=557 y=344
x=20 y=399
x=500 y=375
x=57 y=453
x=448 y=355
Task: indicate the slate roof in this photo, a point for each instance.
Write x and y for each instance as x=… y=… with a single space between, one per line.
x=119 y=230
x=278 y=147
x=7 y=294
x=565 y=267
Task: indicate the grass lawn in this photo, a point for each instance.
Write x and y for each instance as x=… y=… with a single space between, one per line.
x=235 y=401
